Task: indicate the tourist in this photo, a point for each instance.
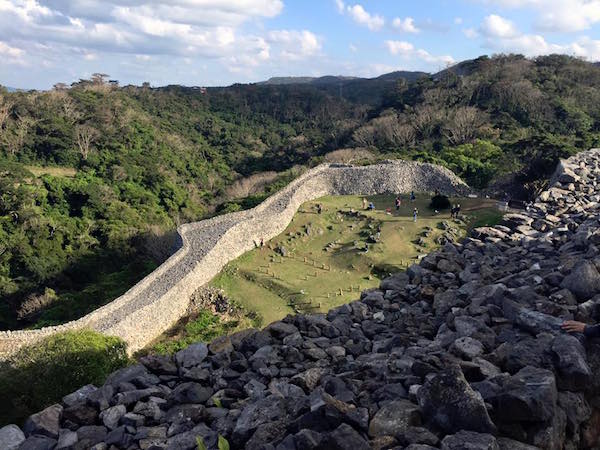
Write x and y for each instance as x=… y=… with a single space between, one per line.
x=262 y=242
x=415 y=214
x=412 y=196
x=371 y=206
x=364 y=201
x=319 y=208
x=572 y=326
x=398 y=203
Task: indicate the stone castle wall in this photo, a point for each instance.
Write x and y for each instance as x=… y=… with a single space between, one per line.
x=155 y=303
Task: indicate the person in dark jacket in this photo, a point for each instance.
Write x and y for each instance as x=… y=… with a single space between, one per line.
x=572 y=326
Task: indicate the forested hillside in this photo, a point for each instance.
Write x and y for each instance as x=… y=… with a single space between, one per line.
x=95 y=176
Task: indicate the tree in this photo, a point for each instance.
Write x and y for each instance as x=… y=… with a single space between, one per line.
x=99 y=78
x=5 y=108
x=69 y=108
x=85 y=136
x=463 y=125
x=14 y=136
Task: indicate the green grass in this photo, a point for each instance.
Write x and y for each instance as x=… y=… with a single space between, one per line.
x=314 y=277
x=38 y=171
x=41 y=374
x=202 y=326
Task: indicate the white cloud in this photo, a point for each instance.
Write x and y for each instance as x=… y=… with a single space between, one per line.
x=9 y=51
x=406 y=25
x=458 y=20
x=557 y=15
x=408 y=51
x=92 y=29
x=340 y=6
x=501 y=35
x=498 y=27
x=374 y=22
x=471 y=33
x=353 y=48
x=295 y=45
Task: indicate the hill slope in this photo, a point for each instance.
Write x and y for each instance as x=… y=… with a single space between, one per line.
x=94 y=176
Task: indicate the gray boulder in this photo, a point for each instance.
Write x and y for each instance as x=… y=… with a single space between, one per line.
x=511 y=444
x=469 y=440
x=11 y=437
x=192 y=355
x=38 y=442
x=583 y=281
x=111 y=416
x=81 y=395
x=450 y=403
x=529 y=396
x=394 y=419
x=46 y=422
x=570 y=361
x=345 y=437
x=467 y=347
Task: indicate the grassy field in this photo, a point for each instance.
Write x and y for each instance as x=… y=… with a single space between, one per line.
x=324 y=260
x=38 y=171
x=329 y=258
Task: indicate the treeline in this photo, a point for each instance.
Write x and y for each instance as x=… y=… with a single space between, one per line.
x=94 y=177
x=492 y=116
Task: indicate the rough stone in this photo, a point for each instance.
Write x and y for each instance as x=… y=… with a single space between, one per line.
x=448 y=401
x=46 y=422
x=11 y=437
x=394 y=419
x=469 y=440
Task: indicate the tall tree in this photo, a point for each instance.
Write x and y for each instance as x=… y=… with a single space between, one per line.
x=85 y=136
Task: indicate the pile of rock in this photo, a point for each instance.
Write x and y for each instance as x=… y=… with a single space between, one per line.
x=461 y=351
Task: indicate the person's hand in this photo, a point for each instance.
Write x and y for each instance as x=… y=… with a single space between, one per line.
x=572 y=326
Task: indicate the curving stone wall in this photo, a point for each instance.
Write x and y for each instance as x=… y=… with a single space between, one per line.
x=161 y=298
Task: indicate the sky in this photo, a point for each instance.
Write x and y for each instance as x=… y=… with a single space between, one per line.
x=220 y=42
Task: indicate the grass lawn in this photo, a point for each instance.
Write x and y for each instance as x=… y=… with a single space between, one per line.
x=330 y=257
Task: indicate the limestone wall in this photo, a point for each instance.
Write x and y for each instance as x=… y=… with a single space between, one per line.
x=155 y=303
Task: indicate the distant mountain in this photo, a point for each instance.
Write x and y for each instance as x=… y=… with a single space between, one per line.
x=327 y=79
x=353 y=89
x=10 y=89
x=287 y=80
x=395 y=76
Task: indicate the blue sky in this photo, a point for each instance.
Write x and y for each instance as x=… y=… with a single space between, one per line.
x=219 y=42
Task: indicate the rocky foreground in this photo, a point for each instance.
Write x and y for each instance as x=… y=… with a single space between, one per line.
x=463 y=351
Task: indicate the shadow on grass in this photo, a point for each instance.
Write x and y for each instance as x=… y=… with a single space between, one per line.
x=41 y=374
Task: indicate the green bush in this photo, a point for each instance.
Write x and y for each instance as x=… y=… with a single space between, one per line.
x=439 y=202
x=41 y=374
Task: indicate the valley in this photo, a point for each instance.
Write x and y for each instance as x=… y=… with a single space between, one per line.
x=325 y=260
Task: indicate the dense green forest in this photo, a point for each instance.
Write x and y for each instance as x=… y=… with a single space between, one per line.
x=95 y=177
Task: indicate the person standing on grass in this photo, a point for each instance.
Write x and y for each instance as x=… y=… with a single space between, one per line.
x=415 y=214
x=398 y=203
x=412 y=196
x=364 y=201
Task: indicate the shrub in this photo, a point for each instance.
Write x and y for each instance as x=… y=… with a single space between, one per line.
x=41 y=374
x=439 y=202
